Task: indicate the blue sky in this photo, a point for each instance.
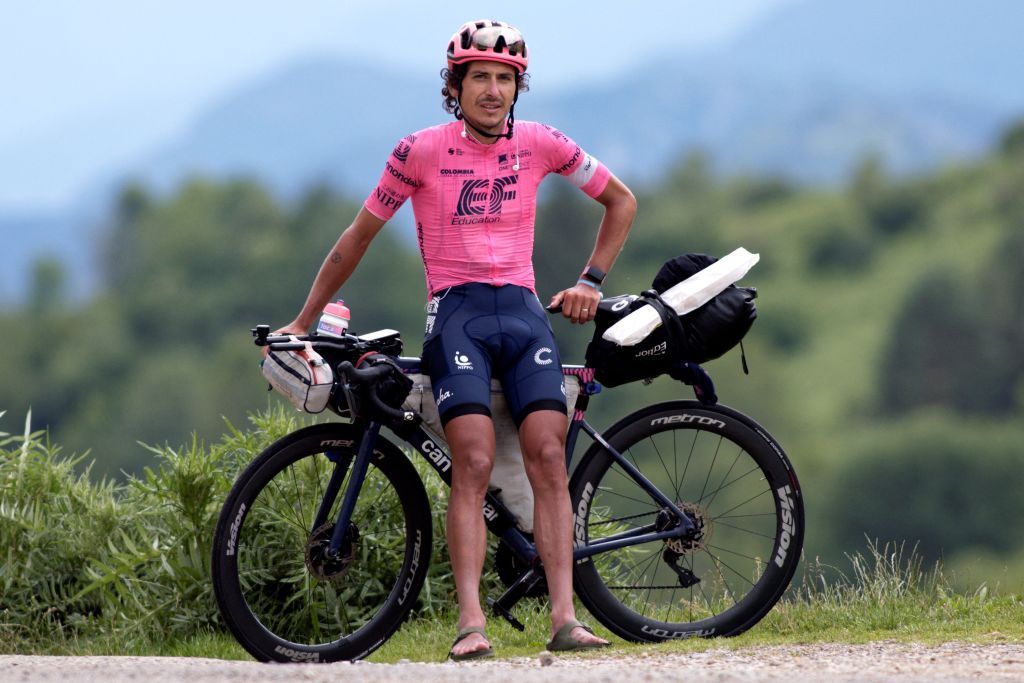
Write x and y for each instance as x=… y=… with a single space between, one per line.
x=89 y=85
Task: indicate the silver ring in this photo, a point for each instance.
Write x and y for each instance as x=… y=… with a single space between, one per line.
x=586 y=310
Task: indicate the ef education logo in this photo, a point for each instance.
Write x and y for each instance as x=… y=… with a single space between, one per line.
x=479 y=197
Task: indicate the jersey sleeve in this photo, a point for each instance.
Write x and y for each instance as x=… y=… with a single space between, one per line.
x=397 y=183
x=570 y=160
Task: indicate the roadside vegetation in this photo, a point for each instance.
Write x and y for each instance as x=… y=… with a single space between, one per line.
x=118 y=568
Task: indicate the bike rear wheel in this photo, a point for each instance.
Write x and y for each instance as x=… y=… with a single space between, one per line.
x=724 y=471
x=281 y=594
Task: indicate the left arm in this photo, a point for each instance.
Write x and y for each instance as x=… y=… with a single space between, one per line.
x=579 y=303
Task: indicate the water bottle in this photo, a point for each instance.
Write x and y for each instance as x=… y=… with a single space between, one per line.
x=334 y=320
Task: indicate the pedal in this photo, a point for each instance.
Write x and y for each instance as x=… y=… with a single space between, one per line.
x=500 y=611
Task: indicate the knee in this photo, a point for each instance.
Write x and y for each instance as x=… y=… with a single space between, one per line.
x=472 y=470
x=545 y=467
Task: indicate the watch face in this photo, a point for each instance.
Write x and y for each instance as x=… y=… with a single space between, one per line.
x=595 y=274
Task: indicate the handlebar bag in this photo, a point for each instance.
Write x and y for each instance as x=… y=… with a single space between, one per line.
x=302 y=377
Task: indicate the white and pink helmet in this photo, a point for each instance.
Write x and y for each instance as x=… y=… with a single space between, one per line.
x=488 y=40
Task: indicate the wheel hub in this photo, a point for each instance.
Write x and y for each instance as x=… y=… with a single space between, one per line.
x=321 y=564
x=699 y=539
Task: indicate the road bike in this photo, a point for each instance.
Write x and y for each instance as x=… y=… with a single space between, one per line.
x=688 y=519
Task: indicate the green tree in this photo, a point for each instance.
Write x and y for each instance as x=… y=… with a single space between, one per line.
x=937 y=480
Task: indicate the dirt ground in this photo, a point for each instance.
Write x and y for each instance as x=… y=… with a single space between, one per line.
x=884 y=661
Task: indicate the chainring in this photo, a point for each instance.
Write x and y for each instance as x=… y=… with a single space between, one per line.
x=510 y=568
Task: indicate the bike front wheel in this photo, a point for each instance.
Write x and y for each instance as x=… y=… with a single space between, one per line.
x=284 y=597
x=726 y=473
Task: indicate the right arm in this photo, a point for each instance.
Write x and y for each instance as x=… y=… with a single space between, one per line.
x=336 y=269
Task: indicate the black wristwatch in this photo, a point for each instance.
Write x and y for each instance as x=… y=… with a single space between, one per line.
x=594 y=274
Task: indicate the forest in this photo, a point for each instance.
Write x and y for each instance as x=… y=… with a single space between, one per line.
x=886 y=354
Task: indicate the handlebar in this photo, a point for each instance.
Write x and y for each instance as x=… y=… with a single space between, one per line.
x=348 y=377
x=369 y=376
x=283 y=342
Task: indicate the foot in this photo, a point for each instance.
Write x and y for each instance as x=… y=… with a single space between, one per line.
x=470 y=643
x=574 y=635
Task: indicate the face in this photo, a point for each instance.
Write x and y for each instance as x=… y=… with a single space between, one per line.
x=488 y=91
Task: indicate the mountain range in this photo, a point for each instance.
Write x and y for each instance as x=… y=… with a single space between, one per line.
x=805 y=93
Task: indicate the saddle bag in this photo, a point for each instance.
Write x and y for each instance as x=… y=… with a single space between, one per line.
x=697 y=337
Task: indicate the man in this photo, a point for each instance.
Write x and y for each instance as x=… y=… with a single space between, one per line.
x=473 y=185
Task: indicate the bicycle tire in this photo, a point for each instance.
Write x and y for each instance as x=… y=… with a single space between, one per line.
x=734 y=477
x=280 y=596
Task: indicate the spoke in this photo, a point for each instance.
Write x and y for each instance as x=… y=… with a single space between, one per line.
x=629 y=453
x=748 y=500
x=676 y=481
x=611 y=520
x=770 y=537
x=718 y=518
x=721 y=484
x=286 y=503
x=700 y=587
x=689 y=459
x=739 y=478
x=319 y=487
x=641 y=501
x=295 y=484
x=275 y=514
x=718 y=560
x=626 y=569
x=733 y=552
x=661 y=459
x=711 y=468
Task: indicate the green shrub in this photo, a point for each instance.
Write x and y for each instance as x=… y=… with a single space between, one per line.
x=86 y=558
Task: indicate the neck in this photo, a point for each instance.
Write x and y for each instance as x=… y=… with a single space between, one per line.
x=478 y=135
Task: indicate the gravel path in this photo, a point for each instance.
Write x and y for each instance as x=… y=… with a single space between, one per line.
x=872 y=662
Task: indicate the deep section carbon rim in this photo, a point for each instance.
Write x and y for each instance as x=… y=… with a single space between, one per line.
x=737 y=487
x=288 y=597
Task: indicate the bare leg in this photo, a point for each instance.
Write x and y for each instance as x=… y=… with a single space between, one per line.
x=471 y=439
x=542 y=437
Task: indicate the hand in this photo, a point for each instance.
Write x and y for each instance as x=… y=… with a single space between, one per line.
x=291 y=328
x=579 y=303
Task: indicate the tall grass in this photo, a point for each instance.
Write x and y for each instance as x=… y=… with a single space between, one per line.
x=92 y=559
x=104 y=566
x=888 y=593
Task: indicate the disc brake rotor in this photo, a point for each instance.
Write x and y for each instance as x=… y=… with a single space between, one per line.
x=319 y=561
x=700 y=539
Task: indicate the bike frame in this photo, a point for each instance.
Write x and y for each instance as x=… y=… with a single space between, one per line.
x=499 y=520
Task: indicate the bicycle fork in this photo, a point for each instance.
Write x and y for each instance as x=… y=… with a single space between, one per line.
x=359 y=468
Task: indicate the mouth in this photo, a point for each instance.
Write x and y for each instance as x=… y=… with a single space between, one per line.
x=492 y=107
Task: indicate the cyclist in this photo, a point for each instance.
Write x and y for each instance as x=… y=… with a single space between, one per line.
x=473 y=185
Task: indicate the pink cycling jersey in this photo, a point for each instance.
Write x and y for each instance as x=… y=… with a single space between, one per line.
x=474 y=211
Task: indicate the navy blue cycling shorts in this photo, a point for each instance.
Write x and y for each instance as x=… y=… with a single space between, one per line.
x=476 y=331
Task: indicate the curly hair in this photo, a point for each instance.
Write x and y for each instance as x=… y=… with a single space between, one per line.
x=453 y=83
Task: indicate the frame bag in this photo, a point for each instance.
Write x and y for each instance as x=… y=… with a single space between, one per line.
x=697 y=337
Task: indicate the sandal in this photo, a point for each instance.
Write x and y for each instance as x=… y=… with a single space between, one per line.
x=475 y=654
x=564 y=642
